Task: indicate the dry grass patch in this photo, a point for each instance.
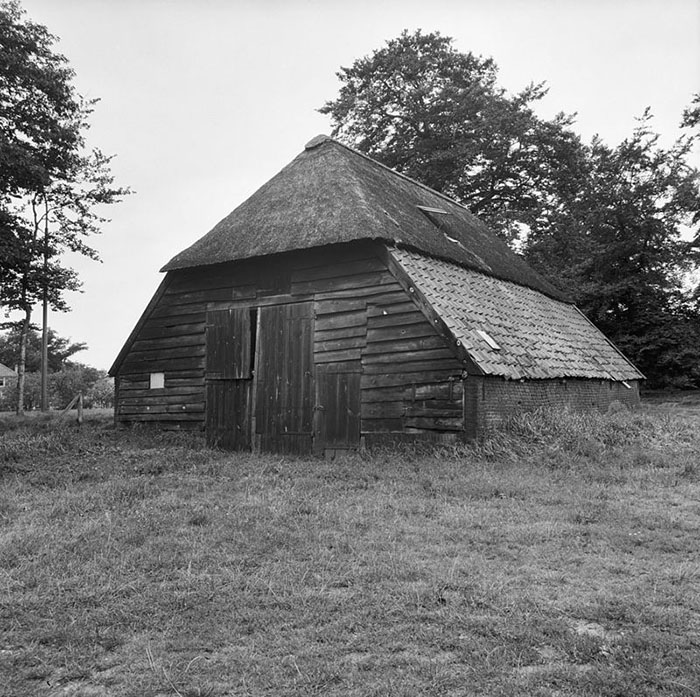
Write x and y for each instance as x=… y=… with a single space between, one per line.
x=558 y=559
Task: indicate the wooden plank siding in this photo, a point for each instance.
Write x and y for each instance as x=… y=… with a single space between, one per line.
x=379 y=365
x=411 y=380
x=169 y=339
x=368 y=325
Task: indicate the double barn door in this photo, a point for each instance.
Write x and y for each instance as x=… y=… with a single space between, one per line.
x=261 y=388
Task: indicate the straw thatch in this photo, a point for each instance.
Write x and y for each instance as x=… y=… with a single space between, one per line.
x=332 y=194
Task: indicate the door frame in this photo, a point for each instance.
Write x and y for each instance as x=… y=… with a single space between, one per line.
x=285 y=377
x=257 y=303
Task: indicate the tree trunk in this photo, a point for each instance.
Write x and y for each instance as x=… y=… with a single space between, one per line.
x=45 y=355
x=45 y=316
x=24 y=334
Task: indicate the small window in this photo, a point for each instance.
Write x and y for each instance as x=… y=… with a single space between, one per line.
x=157 y=381
x=488 y=339
x=437 y=211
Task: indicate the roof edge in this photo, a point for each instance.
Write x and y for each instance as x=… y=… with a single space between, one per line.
x=429 y=312
x=555 y=293
x=612 y=344
x=160 y=291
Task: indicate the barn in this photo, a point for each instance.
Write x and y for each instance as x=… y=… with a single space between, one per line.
x=345 y=305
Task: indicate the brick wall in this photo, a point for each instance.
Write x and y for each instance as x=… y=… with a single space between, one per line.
x=490 y=401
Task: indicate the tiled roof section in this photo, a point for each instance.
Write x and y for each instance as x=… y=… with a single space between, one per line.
x=539 y=337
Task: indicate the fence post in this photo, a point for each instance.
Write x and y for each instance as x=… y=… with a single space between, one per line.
x=71 y=404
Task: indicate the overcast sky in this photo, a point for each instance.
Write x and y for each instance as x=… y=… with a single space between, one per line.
x=202 y=101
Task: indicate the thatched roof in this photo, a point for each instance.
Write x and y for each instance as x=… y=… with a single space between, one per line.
x=512 y=331
x=331 y=194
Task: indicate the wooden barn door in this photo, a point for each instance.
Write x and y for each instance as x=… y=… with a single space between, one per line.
x=230 y=337
x=285 y=378
x=337 y=409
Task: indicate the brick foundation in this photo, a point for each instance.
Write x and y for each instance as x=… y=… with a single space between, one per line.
x=490 y=401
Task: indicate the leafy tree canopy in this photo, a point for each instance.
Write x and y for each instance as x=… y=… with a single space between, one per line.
x=424 y=109
x=39 y=109
x=60 y=350
x=39 y=117
x=63 y=385
x=610 y=225
x=622 y=247
x=73 y=379
x=51 y=189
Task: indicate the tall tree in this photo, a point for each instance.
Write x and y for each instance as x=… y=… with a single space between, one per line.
x=604 y=223
x=623 y=246
x=438 y=115
x=51 y=190
x=38 y=110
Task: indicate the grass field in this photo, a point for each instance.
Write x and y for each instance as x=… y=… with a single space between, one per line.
x=561 y=558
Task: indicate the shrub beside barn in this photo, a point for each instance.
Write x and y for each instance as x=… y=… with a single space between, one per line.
x=345 y=304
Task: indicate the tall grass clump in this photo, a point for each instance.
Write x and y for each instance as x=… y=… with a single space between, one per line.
x=50 y=446
x=563 y=438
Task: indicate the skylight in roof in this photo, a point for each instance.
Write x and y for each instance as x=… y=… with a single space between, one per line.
x=443 y=221
x=488 y=339
x=428 y=209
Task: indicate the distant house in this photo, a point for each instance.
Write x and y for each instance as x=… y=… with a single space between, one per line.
x=7 y=378
x=345 y=304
